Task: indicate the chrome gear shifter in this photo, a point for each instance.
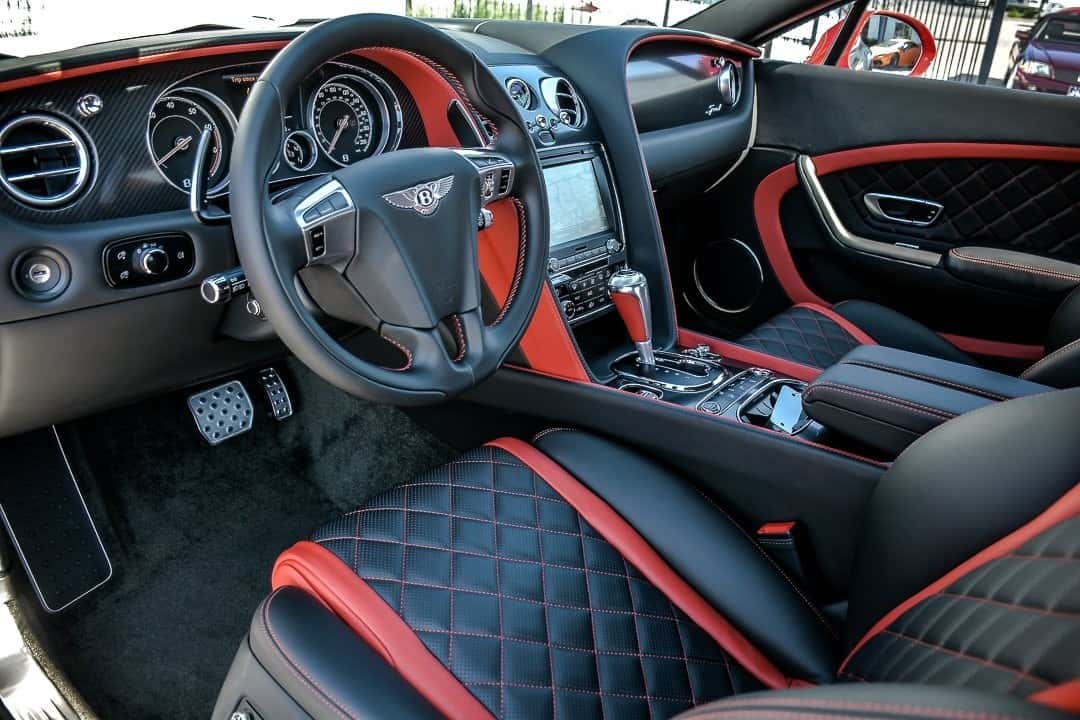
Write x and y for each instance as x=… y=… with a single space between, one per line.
x=629 y=291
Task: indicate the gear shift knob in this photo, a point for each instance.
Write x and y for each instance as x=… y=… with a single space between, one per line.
x=629 y=292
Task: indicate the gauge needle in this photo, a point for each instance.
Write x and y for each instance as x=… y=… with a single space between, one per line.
x=342 y=123
x=181 y=144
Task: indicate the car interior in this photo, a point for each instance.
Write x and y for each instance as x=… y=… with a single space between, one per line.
x=389 y=367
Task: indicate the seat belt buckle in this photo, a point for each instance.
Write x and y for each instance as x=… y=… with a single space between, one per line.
x=786 y=543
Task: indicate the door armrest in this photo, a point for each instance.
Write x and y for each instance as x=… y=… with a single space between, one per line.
x=1013 y=271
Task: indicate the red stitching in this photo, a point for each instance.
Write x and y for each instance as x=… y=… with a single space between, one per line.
x=1057 y=353
x=298 y=672
x=1059 y=274
x=1012 y=606
x=880 y=397
x=1020 y=674
x=899 y=709
x=459 y=334
x=519 y=269
x=928 y=378
x=403 y=349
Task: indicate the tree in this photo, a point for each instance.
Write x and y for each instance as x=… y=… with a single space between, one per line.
x=528 y=9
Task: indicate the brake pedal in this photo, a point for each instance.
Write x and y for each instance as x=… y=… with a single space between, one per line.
x=276 y=392
x=222 y=412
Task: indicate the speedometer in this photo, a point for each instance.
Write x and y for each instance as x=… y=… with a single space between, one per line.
x=342 y=119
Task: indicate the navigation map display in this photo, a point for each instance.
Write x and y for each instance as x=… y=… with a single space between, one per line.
x=574 y=203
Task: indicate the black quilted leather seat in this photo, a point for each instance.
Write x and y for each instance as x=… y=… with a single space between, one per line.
x=819 y=337
x=572 y=578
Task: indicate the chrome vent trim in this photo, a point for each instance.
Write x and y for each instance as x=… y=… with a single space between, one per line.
x=45 y=171
x=563 y=99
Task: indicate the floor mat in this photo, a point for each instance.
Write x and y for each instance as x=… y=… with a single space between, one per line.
x=193 y=531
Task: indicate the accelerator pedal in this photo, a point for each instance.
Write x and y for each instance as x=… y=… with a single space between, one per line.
x=45 y=514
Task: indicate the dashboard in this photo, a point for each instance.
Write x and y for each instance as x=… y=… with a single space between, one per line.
x=97 y=148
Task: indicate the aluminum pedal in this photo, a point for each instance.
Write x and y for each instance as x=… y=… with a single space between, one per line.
x=222 y=412
x=276 y=393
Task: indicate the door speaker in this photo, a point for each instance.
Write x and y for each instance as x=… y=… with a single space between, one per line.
x=728 y=275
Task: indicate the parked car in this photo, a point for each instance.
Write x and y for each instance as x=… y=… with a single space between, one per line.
x=895 y=53
x=1048 y=57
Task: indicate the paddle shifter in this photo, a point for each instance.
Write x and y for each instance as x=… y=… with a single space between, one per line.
x=629 y=291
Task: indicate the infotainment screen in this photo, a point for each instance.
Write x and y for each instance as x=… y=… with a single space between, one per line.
x=574 y=202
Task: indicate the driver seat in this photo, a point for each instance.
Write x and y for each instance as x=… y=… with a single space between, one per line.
x=573 y=578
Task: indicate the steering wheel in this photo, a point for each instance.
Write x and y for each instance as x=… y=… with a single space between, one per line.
x=390 y=242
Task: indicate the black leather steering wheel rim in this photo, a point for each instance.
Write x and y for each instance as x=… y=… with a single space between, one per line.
x=268 y=257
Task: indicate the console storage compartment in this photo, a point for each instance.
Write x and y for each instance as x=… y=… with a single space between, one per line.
x=888 y=398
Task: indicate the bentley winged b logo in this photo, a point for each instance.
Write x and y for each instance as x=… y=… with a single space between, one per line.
x=423 y=198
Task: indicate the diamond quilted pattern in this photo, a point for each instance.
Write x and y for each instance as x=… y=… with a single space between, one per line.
x=802 y=335
x=527 y=605
x=1010 y=626
x=1014 y=204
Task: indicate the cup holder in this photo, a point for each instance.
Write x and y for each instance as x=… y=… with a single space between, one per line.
x=758 y=408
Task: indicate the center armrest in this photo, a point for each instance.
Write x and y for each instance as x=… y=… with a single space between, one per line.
x=888 y=398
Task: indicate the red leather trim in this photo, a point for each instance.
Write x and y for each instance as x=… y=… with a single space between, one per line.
x=994 y=348
x=547 y=344
x=1066 y=507
x=729 y=46
x=746 y=356
x=849 y=327
x=633 y=547
x=166 y=56
x=767 y=197
x=429 y=89
x=630 y=311
x=847 y=159
x=776 y=528
x=926 y=38
x=1065 y=696
x=319 y=572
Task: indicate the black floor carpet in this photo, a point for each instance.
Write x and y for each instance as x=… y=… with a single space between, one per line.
x=193 y=531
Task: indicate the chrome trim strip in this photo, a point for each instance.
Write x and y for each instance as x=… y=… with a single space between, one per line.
x=30 y=147
x=825 y=211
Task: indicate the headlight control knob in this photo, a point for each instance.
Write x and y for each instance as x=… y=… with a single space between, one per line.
x=150 y=259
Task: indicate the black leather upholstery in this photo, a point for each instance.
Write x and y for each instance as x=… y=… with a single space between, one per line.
x=671 y=515
x=1061 y=366
x=1009 y=627
x=811 y=338
x=538 y=615
x=888 y=398
x=802 y=335
x=325 y=667
x=880 y=701
x=511 y=589
x=1014 y=271
x=957 y=490
x=896 y=330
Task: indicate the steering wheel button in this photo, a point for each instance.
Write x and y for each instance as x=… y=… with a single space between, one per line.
x=318 y=241
x=311 y=215
x=324 y=208
x=337 y=201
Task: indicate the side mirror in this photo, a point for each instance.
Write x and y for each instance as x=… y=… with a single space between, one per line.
x=884 y=41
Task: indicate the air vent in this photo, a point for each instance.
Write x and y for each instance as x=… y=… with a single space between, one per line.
x=44 y=162
x=564 y=100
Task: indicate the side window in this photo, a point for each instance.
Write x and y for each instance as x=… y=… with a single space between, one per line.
x=1022 y=44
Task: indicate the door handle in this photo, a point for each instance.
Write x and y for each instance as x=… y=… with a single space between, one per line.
x=903 y=210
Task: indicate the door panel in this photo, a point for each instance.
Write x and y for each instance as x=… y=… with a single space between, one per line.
x=1003 y=165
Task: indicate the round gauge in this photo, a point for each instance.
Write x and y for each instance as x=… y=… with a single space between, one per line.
x=176 y=123
x=342 y=119
x=520 y=93
x=300 y=151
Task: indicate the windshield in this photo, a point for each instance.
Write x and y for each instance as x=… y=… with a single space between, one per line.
x=33 y=27
x=1064 y=31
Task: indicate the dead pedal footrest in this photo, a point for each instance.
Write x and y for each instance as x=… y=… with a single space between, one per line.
x=222 y=412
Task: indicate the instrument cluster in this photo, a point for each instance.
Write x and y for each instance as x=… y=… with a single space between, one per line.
x=341 y=114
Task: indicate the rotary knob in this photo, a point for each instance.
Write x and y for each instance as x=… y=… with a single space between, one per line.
x=150 y=259
x=569 y=309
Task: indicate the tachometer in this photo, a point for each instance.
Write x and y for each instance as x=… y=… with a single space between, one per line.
x=175 y=125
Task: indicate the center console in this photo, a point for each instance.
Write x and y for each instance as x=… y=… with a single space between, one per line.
x=587 y=241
